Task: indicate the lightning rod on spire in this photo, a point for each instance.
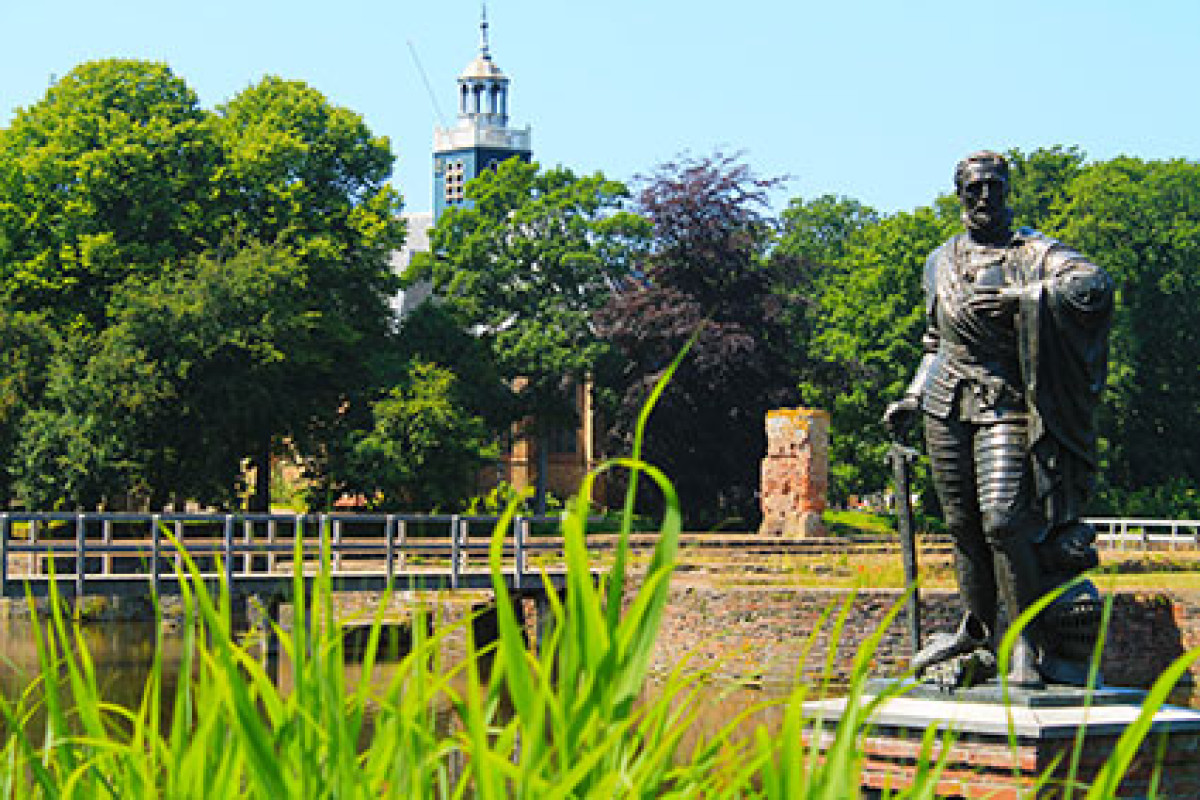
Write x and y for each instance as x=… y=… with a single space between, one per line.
x=483 y=31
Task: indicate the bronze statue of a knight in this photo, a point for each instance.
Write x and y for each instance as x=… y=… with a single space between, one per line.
x=1014 y=364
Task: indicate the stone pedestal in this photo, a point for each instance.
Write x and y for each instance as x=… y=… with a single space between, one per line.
x=999 y=750
x=795 y=473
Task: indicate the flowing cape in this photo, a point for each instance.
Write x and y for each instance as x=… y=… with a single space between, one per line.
x=1065 y=312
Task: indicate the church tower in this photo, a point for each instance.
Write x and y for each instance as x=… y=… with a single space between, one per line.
x=482 y=138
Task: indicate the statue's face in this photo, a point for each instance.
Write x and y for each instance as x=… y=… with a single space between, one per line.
x=983 y=197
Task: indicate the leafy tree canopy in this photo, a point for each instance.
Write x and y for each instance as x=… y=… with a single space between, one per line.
x=109 y=175
x=525 y=266
x=820 y=230
x=870 y=320
x=421 y=449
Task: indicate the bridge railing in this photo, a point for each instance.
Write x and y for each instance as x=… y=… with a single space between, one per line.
x=1136 y=533
x=92 y=546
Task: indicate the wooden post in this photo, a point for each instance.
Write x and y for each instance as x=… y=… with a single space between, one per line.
x=322 y=540
x=402 y=542
x=298 y=536
x=106 y=564
x=337 y=545
x=155 y=547
x=464 y=540
x=35 y=564
x=390 y=547
x=518 y=552
x=248 y=541
x=272 y=535
x=80 y=556
x=228 y=559
x=454 y=548
x=5 y=532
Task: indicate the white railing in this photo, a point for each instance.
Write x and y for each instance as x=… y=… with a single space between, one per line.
x=1126 y=532
x=90 y=549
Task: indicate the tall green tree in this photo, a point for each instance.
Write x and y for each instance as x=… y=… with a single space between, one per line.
x=422 y=439
x=80 y=447
x=162 y=401
x=523 y=267
x=1042 y=181
x=871 y=319
x=304 y=174
x=1140 y=220
x=236 y=264
x=421 y=448
x=109 y=176
x=26 y=348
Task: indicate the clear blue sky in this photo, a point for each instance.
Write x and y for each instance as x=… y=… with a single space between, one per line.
x=875 y=100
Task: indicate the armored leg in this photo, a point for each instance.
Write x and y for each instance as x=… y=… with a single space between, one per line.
x=951 y=453
x=1011 y=527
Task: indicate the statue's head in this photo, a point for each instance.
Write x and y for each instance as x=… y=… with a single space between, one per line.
x=981 y=182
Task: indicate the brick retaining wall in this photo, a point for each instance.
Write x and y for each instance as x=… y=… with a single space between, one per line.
x=759 y=633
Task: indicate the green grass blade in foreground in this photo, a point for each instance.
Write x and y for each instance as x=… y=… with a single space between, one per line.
x=1126 y=749
x=25 y=756
x=223 y=656
x=521 y=679
x=838 y=773
x=601 y=657
x=1093 y=679
x=639 y=627
x=616 y=585
x=487 y=780
x=405 y=756
x=58 y=751
x=1004 y=656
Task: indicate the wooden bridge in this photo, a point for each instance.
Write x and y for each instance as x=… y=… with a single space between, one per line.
x=131 y=554
x=120 y=554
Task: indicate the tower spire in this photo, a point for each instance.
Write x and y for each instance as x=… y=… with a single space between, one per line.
x=483 y=32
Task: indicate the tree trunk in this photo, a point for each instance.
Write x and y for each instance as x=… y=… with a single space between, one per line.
x=260 y=501
x=543 y=471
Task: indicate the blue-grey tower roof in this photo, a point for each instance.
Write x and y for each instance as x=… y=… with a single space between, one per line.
x=481 y=138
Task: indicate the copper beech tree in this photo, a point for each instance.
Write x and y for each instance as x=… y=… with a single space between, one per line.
x=709 y=273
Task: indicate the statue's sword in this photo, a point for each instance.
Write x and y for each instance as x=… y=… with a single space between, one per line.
x=902 y=458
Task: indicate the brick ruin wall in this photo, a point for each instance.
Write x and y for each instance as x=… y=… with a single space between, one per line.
x=795 y=473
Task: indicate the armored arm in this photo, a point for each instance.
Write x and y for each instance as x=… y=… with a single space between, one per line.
x=900 y=414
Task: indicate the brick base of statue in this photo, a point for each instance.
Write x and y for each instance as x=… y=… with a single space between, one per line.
x=1000 y=750
x=795 y=473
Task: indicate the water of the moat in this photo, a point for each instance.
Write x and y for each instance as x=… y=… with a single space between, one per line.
x=123 y=654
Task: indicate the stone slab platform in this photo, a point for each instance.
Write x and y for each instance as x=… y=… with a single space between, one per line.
x=998 y=751
x=996 y=693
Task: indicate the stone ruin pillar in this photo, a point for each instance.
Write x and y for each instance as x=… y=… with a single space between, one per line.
x=795 y=473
